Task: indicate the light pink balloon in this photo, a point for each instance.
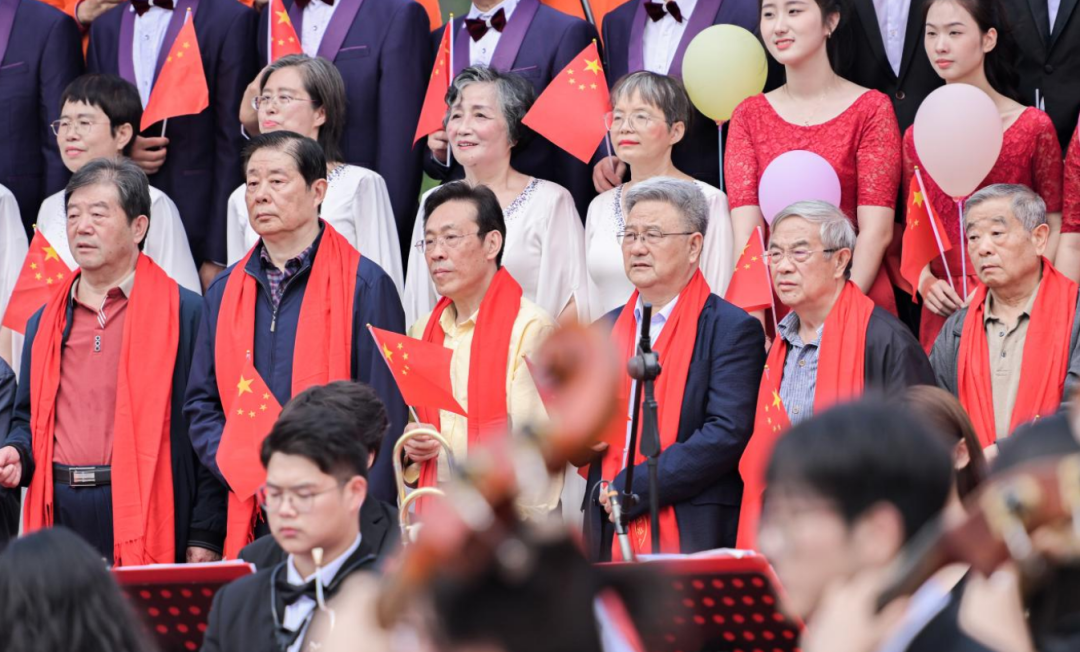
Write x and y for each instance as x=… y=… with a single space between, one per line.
x=958 y=136
x=794 y=176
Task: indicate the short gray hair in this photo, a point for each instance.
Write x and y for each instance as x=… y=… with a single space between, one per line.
x=665 y=93
x=132 y=186
x=1026 y=204
x=685 y=196
x=834 y=227
x=516 y=96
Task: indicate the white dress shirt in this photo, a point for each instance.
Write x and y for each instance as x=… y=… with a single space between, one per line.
x=166 y=241
x=656 y=326
x=1052 y=6
x=149 y=35
x=480 y=52
x=357 y=204
x=661 y=37
x=608 y=286
x=892 y=16
x=544 y=252
x=317 y=15
x=297 y=614
x=13 y=246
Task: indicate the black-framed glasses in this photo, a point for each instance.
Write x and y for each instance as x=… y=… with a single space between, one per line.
x=271 y=499
x=776 y=256
x=280 y=101
x=451 y=241
x=651 y=237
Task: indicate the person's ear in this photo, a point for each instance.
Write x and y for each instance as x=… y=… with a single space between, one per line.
x=676 y=133
x=139 y=227
x=961 y=455
x=697 y=241
x=989 y=40
x=319 y=187
x=878 y=535
x=493 y=243
x=320 y=116
x=125 y=133
x=843 y=259
x=1040 y=237
x=355 y=492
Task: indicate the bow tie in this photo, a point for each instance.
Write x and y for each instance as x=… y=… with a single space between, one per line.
x=143 y=6
x=290 y=593
x=477 y=27
x=304 y=3
x=657 y=10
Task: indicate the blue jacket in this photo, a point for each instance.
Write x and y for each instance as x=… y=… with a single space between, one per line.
x=199 y=499
x=377 y=303
x=699 y=474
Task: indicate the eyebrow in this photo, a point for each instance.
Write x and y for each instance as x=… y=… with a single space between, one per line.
x=955 y=23
x=797 y=243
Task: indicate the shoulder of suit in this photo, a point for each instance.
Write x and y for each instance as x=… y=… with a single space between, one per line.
x=556 y=17
x=41 y=11
x=888 y=329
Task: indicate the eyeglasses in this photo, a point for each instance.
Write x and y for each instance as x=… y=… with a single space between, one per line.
x=452 y=241
x=776 y=256
x=652 y=237
x=272 y=499
x=280 y=101
x=81 y=127
x=639 y=121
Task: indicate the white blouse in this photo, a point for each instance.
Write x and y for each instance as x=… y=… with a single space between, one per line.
x=544 y=252
x=609 y=288
x=357 y=204
x=13 y=246
x=166 y=242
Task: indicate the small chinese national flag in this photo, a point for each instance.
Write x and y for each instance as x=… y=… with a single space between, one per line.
x=751 y=286
x=770 y=423
x=42 y=274
x=181 y=87
x=283 y=38
x=248 y=421
x=421 y=370
x=570 y=112
x=921 y=242
x=434 y=109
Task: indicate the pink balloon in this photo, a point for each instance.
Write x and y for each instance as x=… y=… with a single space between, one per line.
x=794 y=176
x=958 y=136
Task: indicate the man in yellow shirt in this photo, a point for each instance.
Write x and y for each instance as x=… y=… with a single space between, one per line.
x=464 y=232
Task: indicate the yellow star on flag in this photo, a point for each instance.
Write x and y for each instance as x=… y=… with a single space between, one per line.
x=240 y=412
x=400 y=346
x=244 y=385
x=251 y=415
x=262 y=407
x=49 y=281
x=37 y=277
x=593 y=66
x=266 y=396
x=50 y=254
x=283 y=18
x=776 y=399
x=387 y=353
x=33 y=265
x=917 y=199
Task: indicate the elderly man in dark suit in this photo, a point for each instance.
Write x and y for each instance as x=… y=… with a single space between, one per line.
x=712 y=354
x=39 y=55
x=197 y=162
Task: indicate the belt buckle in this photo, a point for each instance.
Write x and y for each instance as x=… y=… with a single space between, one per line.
x=83 y=476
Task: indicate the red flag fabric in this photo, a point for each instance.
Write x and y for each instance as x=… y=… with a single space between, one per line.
x=570 y=112
x=751 y=286
x=434 y=14
x=920 y=245
x=770 y=423
x=252 y=413
x=283 y=38
x=181 y=87
x=434 y=108
x=43 y=274
x=420 y=369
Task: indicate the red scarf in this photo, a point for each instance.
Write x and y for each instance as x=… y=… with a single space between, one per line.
x=1046 y=357
x=142 y=496
x=322 y=351
x=487 y=365
x=675 y=348
x=840 y=377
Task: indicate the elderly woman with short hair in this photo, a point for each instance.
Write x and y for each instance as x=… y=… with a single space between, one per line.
x=307 y=95
x=545 y=245
x=651 y=114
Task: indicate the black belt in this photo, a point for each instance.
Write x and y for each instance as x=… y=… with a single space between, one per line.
x=82 y=476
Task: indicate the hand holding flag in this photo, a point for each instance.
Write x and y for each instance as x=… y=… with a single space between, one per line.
x=43 y=273
x=420 y=369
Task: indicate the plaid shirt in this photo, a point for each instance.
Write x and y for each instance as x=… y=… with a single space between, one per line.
x=278 y=277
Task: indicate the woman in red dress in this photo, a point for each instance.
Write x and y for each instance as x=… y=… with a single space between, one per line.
x=1068 y=255
x=965 y=44
x=851 y=127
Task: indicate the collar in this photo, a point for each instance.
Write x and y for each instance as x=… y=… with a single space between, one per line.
x=328 y=571
x=507 y=6
x=448 y=321
x=305 y=256
x=659 y=317
x=989 y=315
x=125 y=286
x=789 y=330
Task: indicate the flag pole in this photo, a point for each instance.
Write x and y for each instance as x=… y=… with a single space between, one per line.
x=164 y=123
x=963 y=246
x=933 y=226
x=768 y=278
x=449 y=149
x=720 y=142
x=378 y=346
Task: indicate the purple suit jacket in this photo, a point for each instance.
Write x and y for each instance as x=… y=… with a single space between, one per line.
x=202 y=167
x=382 y=51
x=39 y=55
x=550 y=41
x=698 y=153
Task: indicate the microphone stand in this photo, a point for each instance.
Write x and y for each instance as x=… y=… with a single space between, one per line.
x=645 y=368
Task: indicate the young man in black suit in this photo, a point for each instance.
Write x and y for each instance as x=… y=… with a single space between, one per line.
x=316 y=482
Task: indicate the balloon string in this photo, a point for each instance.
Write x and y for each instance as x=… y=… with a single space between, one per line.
x=720 y=141
x=963 y=246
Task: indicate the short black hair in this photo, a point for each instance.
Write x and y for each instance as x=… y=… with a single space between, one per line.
x=863 y=454
x=356 y=401
x=306 y=152
x=326 y=437
x=489 y=215
x=115 y=96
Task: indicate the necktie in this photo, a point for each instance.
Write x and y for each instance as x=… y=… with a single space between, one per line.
x=304 y=3
x=657 y=10
x=477 y=27
x=143 y=6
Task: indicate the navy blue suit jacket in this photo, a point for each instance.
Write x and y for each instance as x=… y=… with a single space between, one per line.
x=376 y=303
x=551 y=42
x=699 y=474
x=698 y=153
x=385 y=61
x=202 y=167
x=43 y=55
x=199 y=499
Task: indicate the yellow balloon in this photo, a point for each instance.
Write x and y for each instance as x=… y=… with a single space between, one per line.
x=723 y=65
